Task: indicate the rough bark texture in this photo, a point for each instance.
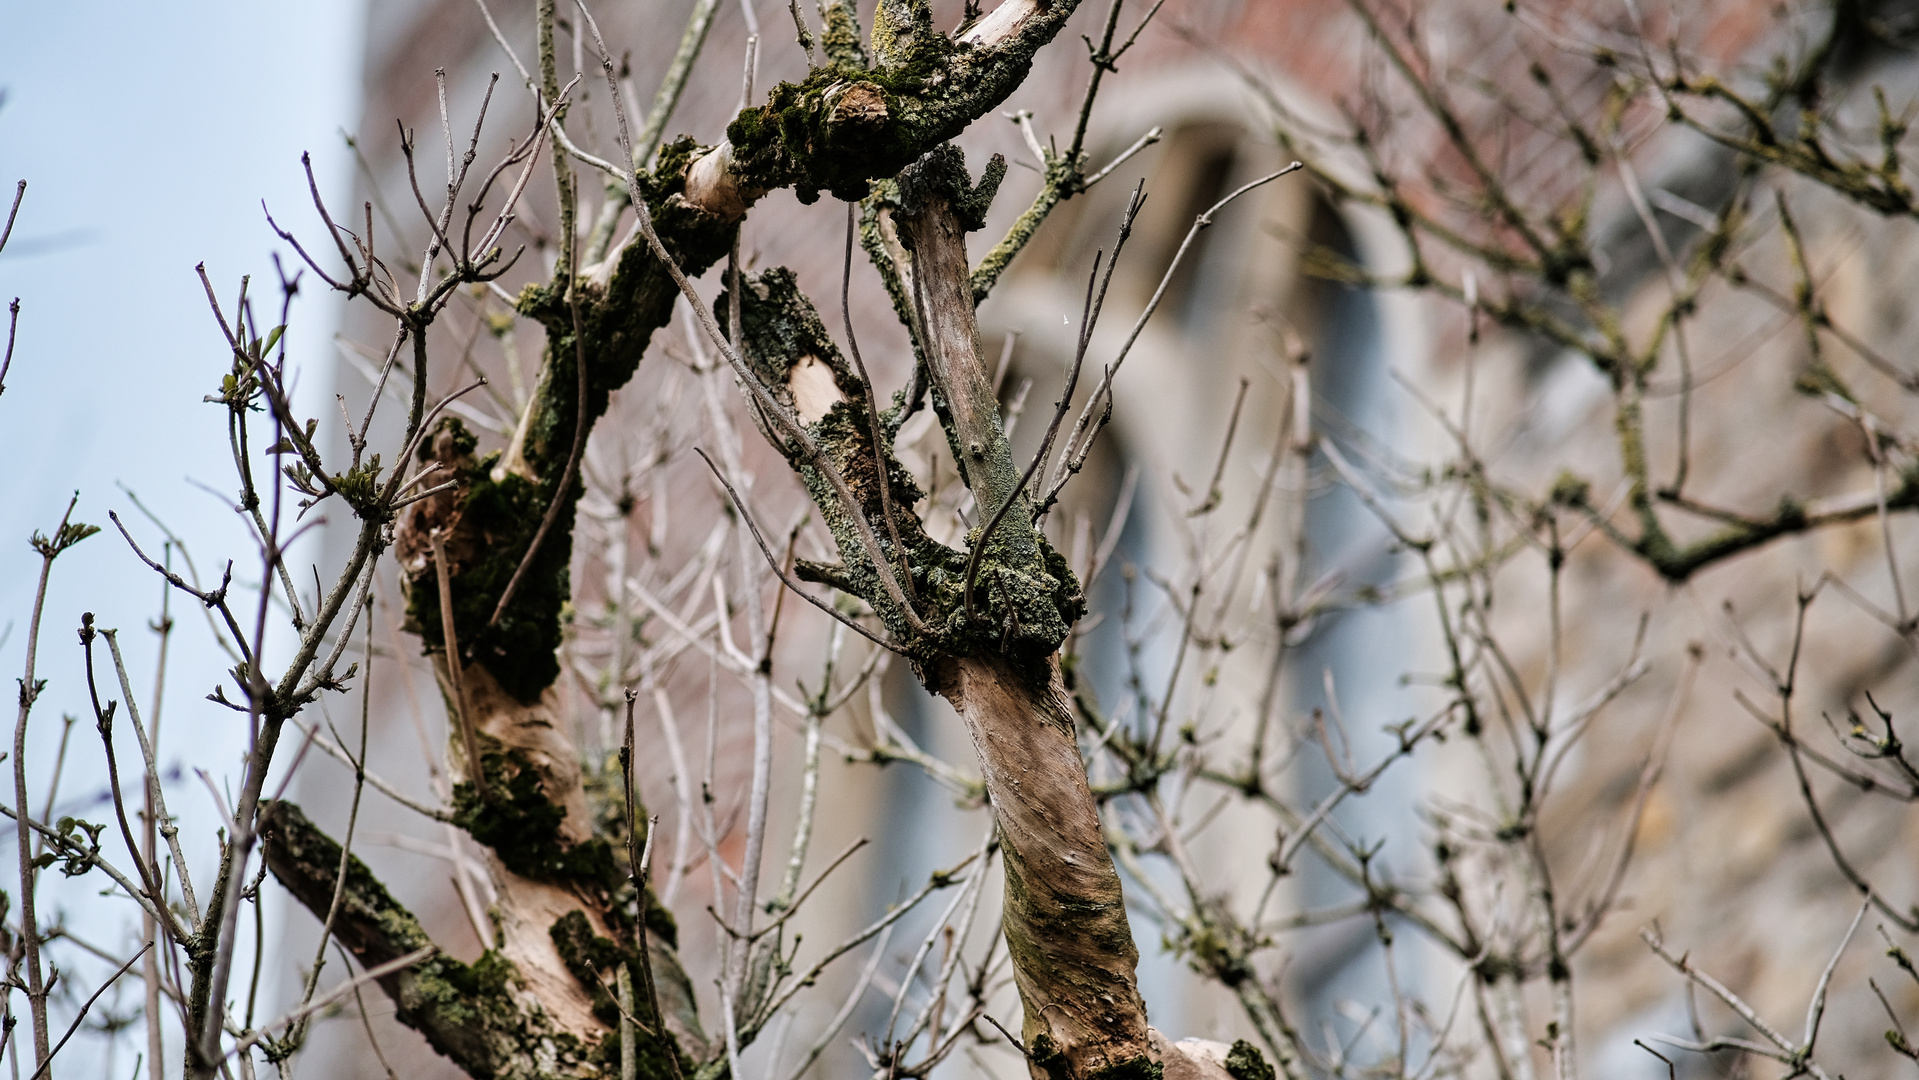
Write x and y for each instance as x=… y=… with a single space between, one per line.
x=1065 y=919
x=563 y=917
x=1024 y=599
x=1204 y=1059
x=522 y=1010
x=480 y=1015
x=936 y=275
x=844 y=126
x=536 y=1004
x=490 y=522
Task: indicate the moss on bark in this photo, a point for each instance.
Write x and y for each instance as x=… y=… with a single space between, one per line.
x=1025 y=596
x=496 y=521
x=841 y=128
x=1245 y=1062
x=471 y=1013
x=521 y=823
x=594 y=960
x=495 y=518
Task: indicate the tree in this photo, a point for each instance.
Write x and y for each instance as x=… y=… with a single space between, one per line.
x=1548 y=234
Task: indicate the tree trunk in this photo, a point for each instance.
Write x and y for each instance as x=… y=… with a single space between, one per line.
x=1065 y=919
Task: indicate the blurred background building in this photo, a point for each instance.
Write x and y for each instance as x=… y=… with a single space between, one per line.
x=1724 y=812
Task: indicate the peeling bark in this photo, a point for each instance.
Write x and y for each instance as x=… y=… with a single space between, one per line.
x=1065 y=918
x=1204 y=1059
x=537 y=733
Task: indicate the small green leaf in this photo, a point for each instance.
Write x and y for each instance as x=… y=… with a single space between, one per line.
x=72 y=533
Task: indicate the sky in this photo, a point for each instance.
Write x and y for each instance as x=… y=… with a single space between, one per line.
x=148 y=134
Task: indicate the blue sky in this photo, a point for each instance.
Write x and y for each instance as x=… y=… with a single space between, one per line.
x=148 y=134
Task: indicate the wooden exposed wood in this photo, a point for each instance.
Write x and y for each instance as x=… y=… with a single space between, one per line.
x=1065 y=917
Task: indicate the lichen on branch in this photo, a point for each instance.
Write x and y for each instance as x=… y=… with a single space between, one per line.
x=1023 y=609
x=490 y=521
x=842 y=127
x=472 y=1013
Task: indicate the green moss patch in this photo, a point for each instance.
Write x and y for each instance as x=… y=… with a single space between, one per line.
x=1245 y=1062
x=522 y=825
x=841 y=128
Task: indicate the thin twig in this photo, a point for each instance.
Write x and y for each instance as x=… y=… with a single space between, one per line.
x=1073 y=452
x=640 y=862
x=88 y=1004
x=455 y=669
x=784 y=576
x=49 y=549
x=372 y=974
x=150 y=755
x=885 y=480
x=338 y=753
x=809 y=449
x=19 y=193
x=567 y=475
